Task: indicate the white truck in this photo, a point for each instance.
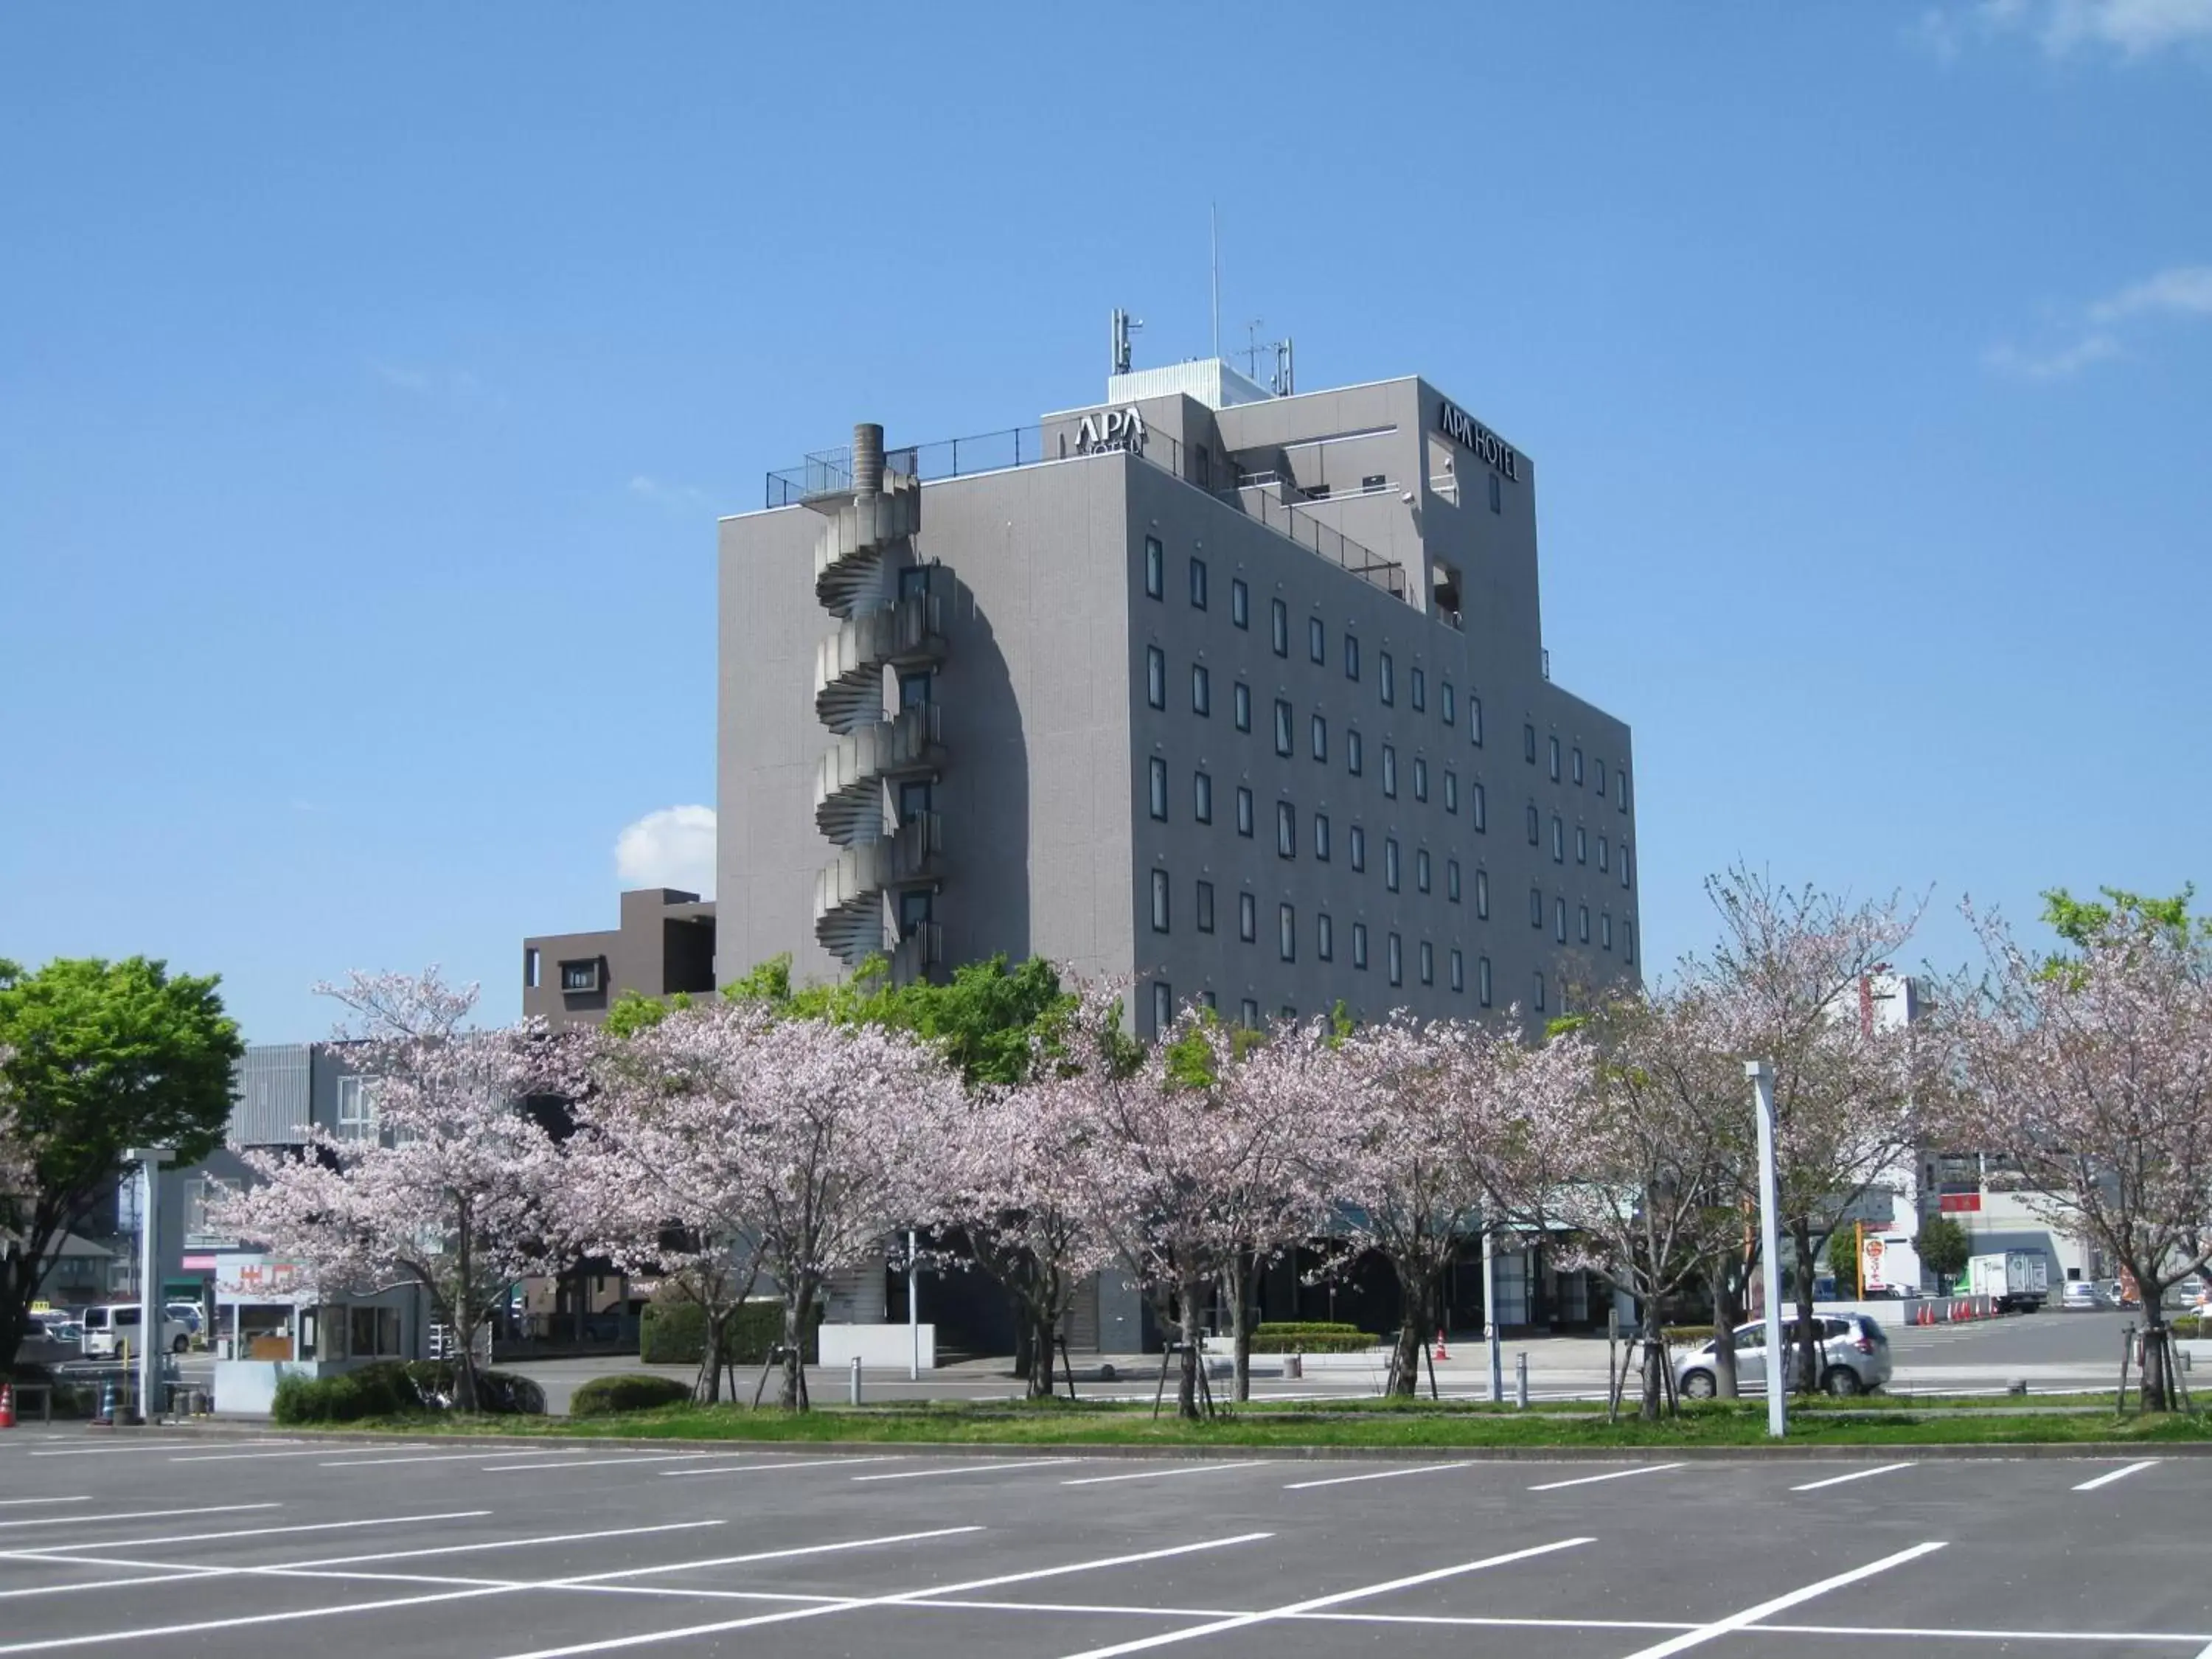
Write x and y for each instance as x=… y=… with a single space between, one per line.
x=2017 y=1281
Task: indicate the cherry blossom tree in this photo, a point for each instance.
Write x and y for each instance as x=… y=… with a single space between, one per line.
x=458 y=1188
x=2092 y=1077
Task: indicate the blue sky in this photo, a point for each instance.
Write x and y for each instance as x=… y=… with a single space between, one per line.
x=370 y=379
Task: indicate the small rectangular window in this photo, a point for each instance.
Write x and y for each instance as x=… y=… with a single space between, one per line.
x=1352 y=757
x=1359 y=849
x=1554 y=758
x=1536 y=908
x=1155 y=568
x=1420 y=869
x=1198 y=583
x=1451 y=881
x=1247 y=918
x=1395 y=953
x=1451 y=702
x=1581 y=923
x=1581 y=845
x=1558 y=840
x=1159 y=901
x=1279 y=622
x=1477 y=808
x=1474 y=720
x=1240 y=603
x=1576 y=765
x=1321 y=837
x=1374 y=480
x=1163 y=1008
x=1201 y=797
x=1535 y=823
x=1539 y=993
x=1559 y=919
x=1597 y=769
x=917 y=690
x=1620 y=787
x=1204 y=909
x=1428 y=961
x=530 y=968
x=1201 y=690
x=1604 y=930
x=1451 y=790
x=1528 y=745
x=1359 y=945
x=1249 y=1013
x=1420 y=778
x=1319 y=731
x=1351 y=657
x=1497 y=494
x=1604 y=854
x=1390 y=862
x=1482 y=894
x=1159 y=794
x=1286 y=932
x=1282 y=727
x=1243 y=811
x=1390 y=770
x=1628 y=940
x=1201 y=466
x=1458 y=970
x=1324 y=937
x=1625 y=880
x=1207 y=997
x=1240 y=706
x=1156 y=676
x=581 y=975
x=1316 y=639
x=1389 y=678
x=1417 y=689
x=1482 y=980
x=1286 y=830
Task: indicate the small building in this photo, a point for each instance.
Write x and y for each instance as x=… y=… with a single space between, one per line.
x=662 y=944
x=273 y=1320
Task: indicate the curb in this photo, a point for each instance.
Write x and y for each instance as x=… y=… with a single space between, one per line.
x=1960 y=1451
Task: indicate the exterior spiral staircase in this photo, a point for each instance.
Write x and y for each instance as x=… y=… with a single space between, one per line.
x=885 y=623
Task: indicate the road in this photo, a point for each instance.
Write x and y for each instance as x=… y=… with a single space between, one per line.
x=157 y=1545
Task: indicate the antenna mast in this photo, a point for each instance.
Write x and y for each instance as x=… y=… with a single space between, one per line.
x=1213 y=223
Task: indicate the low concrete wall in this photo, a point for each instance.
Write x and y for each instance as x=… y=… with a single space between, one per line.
x=882 y=1346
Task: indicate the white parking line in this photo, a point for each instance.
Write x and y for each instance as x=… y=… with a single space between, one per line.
x=597 y=1463
x=11 y=1503
x=1855 y=1474
x=92 y=1547
x=2107 y=1478
x=1736 y=1621
x=147 y=1448
x=1380 y=1475
x=1617 y=1474
x=1160 y=1474
x=444 y=1457
x=1239 y=1621
x=971 y=1468
x=241 y=1456
x=778 y=1463
x=136 y=1515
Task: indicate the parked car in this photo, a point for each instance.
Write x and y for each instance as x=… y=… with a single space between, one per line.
x=1854 y=1358
x=188 y=1314
x=107 y=1325
x=2080 y=1296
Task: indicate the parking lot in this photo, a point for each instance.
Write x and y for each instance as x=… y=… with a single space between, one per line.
x=188 y=1545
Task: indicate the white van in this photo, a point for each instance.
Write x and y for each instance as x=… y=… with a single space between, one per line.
x=107 y=1325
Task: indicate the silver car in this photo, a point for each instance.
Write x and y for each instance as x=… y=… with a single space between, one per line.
x=1854 y=1358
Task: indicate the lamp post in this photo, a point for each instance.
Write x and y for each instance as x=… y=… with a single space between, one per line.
x=1770 y=1242
x=1490 y=1318
x=149 y=1160
x=913 y=1308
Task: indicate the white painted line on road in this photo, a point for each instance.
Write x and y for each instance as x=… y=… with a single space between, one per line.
x=444 y=1457
x=136 y=1515
x=1618 y=1475
x=902 y=1599
x=11 y=1503
x=1752 y=1615
x=1240 y=1621
x=90 y=1547
x=506 y=1543
x=147 y=1448
x=777 y=1463
x=2107 y=1480
x=597 y=1463
x=971 y=1468
x=1162 y=1474
x=1855 y=1474
x=1380 y=1475
x=239 y=1457
x=587 y=1580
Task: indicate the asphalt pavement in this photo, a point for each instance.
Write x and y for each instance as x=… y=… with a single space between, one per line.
x=175 y=1544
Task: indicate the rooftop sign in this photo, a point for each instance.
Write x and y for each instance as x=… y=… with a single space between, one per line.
x=1111 y=429
x=1462 y=428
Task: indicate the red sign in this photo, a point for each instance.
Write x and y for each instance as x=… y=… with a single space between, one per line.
x=1954 y=1202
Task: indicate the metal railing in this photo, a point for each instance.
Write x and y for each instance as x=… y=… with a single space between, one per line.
x=830 y=471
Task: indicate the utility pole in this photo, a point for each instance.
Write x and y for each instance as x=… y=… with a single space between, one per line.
x=1770 y=1242
x=151 y=1348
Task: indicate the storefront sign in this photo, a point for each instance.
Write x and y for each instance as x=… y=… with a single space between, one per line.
x=245 y=1278
x=1111 y=429
x=1462 y=428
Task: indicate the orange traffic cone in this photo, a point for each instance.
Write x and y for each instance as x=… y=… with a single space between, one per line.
x=1440 y=1353
x=7 y=1406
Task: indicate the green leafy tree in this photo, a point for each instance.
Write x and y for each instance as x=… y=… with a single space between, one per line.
x=1844 y=1264
x=101 y=1057
x=1944 y=1247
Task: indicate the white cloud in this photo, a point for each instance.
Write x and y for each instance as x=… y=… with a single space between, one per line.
x=673 y=497
x=2093 y=334
x=671 y=848
x=2132 y=29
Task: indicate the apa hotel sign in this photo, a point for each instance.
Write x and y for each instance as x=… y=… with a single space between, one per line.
x=1111 y=429
x=1463 y=429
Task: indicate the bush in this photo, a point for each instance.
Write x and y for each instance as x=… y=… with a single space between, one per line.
x=1309 y=1336
x=2191 y=1328
x=389 y=1388
x=674 y=1333
x=499 y=1394
x=605 y=1397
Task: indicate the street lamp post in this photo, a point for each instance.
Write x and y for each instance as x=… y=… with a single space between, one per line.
x=1490 y=1318
x=149 y=1160
x=1770 y=1242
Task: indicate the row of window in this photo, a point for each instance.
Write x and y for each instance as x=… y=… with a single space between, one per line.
x=1248 y=916
x=1417 y=681
x=1394 y=952
x=1286 y=839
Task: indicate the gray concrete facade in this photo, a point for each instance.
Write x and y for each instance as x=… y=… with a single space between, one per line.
x=1442 y=804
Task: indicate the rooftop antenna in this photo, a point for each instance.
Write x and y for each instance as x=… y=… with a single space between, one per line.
x=1124 y=326
x=1252 y=348
x=1285 y=382
x=1213 y=223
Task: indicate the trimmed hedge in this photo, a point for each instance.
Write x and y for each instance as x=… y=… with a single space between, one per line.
x=1309 y=1336
x=674 y=1333
x=605 y=1396
x=389 y=1388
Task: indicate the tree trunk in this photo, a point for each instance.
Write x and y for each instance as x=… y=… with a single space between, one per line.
x=1808 y=1330
x=1041 y=1381
x=1656 y=1397
x=1405 y=1358
x=707 y=1390
x=1192 y=1358
x=1024 y=1338
x=1727 y=1314
x=790 y=1391
x=2157 y=1355
x=1240 y=1327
